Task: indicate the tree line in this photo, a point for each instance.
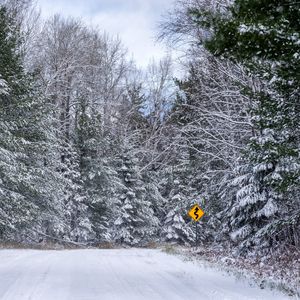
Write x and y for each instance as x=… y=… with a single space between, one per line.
x=95 y=150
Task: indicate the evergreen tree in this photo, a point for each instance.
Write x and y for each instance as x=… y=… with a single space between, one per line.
x=16 y=208
x=78 y=225
x=26 y=180
x=264 y=37
x=97 y=170
x=136 y=222
x=177 y=227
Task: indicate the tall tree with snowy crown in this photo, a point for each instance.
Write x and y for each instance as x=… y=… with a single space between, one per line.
x=16 y=207
x=264 y=37
x=24 y=190
x=99 y=177
x=177 y=226
x=136 y=222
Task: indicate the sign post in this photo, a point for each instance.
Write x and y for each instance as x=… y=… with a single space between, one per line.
x=196 y=213
x=196 y=234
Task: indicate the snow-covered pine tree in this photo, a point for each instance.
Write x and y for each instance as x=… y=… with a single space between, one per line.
x=264 y=182
x=154 y=185
x=100 y=179
x=177 y=227
x=16 y=208
x=135 y=223
x=26 y=179
x=264 y=36
x=77 y=223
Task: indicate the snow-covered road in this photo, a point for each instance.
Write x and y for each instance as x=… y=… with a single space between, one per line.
x=133 y=274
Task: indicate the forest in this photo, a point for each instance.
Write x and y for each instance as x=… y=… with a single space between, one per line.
x=95 y=150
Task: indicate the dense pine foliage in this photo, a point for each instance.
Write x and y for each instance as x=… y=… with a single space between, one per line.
x=94 y=150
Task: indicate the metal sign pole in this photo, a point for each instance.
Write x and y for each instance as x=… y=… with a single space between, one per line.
x=196 y=234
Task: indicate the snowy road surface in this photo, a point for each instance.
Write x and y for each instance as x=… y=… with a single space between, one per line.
x=133 y=274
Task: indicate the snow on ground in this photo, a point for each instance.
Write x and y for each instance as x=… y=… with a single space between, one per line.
x=119 y=274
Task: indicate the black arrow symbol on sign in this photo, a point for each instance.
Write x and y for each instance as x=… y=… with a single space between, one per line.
x=196 y=212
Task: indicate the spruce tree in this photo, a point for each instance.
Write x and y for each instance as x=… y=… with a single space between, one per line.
x=264 y=37
x=25 y=179
x=99 y=177
x=177 y=227
x=16 y=207
x=135 y=223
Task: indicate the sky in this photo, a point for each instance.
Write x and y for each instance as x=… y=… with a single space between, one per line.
x=134 y=21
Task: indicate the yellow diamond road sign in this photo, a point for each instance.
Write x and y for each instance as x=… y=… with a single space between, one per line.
x=196 y=212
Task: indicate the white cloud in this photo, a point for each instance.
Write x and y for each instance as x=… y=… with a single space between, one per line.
x=134 y=21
